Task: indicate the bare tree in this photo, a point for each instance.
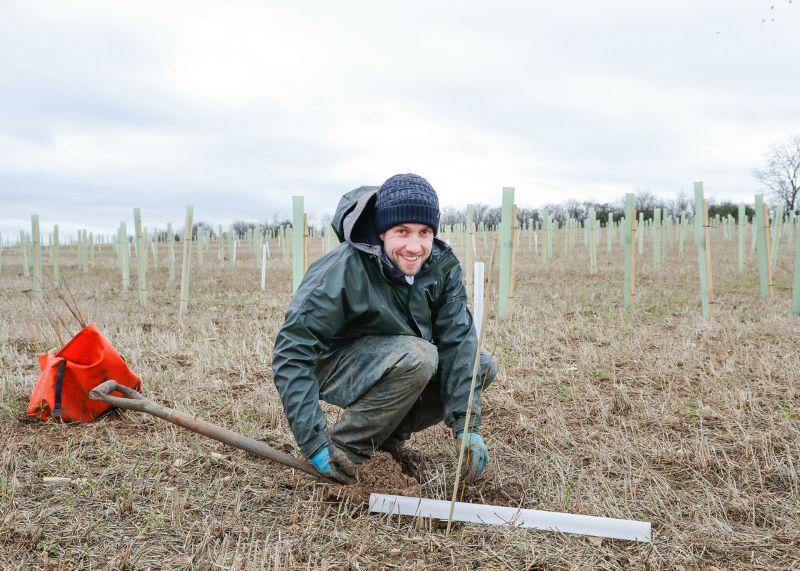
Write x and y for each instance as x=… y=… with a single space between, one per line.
x=525 y=216
x=574 y=209
x=556 y=211
x=644 y=200
x=603 y=209
x=272 y=228
x=241 y=228
x=492 y=216
x=450 y=215
x=202 y=226
x=681 y=205
x=647 y=202
x=485 y=214
x=781 y=175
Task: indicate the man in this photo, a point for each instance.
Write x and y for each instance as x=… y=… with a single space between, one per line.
x=380 y=327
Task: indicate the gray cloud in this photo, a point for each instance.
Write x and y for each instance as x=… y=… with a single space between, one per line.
x=234 y=107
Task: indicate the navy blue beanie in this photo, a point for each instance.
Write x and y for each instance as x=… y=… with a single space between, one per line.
x=406 y=198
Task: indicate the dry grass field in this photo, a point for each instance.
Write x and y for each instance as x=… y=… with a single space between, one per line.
x=651 y=414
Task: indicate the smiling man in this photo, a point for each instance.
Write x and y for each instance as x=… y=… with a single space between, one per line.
x=380 y=327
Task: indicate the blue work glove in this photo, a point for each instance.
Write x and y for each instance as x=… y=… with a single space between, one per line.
x=333 y=463
x=476 y=456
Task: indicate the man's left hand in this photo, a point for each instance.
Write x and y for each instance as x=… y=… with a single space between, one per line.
x=333 y=463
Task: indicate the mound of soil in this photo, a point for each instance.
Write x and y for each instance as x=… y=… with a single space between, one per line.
x=381 y=474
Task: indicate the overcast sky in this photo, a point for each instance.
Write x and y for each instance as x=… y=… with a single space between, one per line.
x=236 y=106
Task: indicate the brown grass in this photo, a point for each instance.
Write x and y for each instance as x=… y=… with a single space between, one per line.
x=651 y=414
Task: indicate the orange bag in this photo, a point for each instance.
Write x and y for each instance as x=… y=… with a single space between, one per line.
x=62 y=391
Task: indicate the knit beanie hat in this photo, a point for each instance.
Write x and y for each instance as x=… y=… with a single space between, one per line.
x=406 y=198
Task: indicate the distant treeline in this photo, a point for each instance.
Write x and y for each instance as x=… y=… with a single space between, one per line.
x=489 y=216
x=240 y=228
x=646 y=203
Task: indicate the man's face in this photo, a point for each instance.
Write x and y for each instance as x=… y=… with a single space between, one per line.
x=408 y=245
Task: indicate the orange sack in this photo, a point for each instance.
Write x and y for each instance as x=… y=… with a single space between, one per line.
x=67 y=377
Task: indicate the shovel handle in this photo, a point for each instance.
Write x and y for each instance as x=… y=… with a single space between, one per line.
x=133 y=400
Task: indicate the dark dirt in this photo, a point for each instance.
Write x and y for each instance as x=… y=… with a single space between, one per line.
x=381 y=474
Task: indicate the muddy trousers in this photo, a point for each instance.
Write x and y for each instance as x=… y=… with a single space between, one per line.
x=389 y=389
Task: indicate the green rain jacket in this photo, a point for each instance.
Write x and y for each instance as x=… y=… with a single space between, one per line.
x=353 y=291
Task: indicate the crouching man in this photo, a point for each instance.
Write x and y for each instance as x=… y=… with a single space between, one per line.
x=380 y=327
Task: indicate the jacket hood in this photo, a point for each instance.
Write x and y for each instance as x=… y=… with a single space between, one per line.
x=354 y=218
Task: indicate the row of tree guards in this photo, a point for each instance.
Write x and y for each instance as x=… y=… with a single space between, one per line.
x=766 y=238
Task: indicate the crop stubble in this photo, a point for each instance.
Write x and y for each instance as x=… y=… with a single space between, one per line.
x=651 y=414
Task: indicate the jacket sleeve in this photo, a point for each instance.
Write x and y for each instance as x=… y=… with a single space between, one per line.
x=456 y=340
x=315 y=315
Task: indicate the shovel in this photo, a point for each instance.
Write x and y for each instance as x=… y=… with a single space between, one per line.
x=133 y=400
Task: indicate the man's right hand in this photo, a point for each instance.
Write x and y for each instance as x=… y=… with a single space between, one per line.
x=478 y=456
x=333 y=463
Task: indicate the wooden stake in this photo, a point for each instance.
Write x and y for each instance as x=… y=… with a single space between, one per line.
x=640 y=234
x=707 y=238
x=591 y=229
x=545 y=231
x=85 y=250
x=141 y=255
x=741 y=229
x=492 y=258
x=126 y=254
x=630 y=250
x=221 y=245
x=202 y=243
x=530 y=235
x=298 y=255
x=634 y=255
x=514 y=240
x=777 y=232
x=264 y=267
x=506 y=243
x=81 y=252
x=37 y=259
x=762 y=236
x=186 y=261
x=768 y=250
x=656 y=238
x=796 y=280
x=305 y=242
x=56 y=258
x=700 y=230
x=171 y=251
x=468 y=238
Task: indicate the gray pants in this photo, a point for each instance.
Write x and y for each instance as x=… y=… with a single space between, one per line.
x=389 y=388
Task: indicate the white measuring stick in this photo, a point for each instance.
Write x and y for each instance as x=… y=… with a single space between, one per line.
x=263 y=267
x=477 y=297
x=500 y=515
